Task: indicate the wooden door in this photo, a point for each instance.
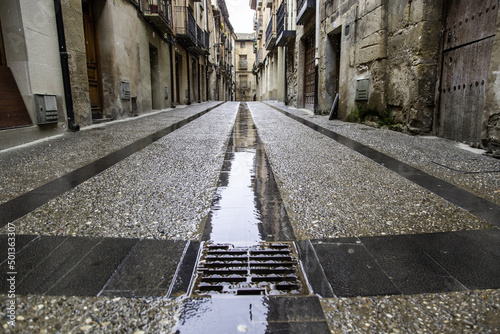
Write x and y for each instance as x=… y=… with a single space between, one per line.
x=309 y=84
x=178 y=73
x=467 y=48
x=13 y=112
x=92 y=50
x=3 y=59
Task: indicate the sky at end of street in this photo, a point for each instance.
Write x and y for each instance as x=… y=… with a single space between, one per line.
x=240 y=15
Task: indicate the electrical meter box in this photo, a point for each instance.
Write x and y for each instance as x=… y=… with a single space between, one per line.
x=362 y=89
x=46 y=109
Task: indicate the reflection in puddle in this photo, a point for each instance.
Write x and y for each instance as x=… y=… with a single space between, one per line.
x=224 y=315
x=247 y=208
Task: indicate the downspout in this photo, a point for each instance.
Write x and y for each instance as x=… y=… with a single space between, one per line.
x=172 y=102
x=316 y=57
x=65 y=67
x=199 y=81
x=188 y=60
x=286 y=69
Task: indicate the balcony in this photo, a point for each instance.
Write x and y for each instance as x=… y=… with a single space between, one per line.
x=271 y=33
x=306 y=9
x=159 y=12
x=285 y=32
x=259 y=60
x=260 y=28
x=185 y=27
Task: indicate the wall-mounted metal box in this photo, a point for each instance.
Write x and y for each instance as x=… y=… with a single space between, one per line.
x=125 y=90
x=46 y=109
x=362 y=86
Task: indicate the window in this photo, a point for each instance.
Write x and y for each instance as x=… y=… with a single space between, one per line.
x=242 y=45
x=243 y=64
x=243 y=81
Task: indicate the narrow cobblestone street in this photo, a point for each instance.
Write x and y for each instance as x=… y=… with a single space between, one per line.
x=377 y=231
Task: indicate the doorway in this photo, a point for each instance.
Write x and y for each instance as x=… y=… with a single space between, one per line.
x=332 y=70
x=92 y=52
x=13 y=111
x=178 y=71
x=155 y=78
x=309 y=71
x=470 y=28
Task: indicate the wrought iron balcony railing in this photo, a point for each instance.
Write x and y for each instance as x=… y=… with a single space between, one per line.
x=284 y=30
x=159 y=13
x=305 y=10
x=271 y=33
x=185 y=26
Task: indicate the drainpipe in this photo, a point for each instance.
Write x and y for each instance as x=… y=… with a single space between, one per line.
x=207 y=76
x=172 y=103
x=65 y=67
x=316 y=57
x=188 y=60
x=199 y=81
x=286 y=83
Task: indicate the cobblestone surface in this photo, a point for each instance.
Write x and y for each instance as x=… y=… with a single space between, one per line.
x=25 y=169
x=60 y=314
x=448 y=160
x=331 y=191
x=457 y=312
x=163 y=191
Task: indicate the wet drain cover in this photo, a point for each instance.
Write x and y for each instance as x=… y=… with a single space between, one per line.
x=263 y=269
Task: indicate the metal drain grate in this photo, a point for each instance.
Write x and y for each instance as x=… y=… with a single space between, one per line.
x=263 y=269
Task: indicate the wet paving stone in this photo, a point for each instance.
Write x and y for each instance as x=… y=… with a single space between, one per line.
x=147 y=270
x=410 y=264
x=252 y=315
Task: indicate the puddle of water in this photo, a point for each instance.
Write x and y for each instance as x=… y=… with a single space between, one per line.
x=247 y=207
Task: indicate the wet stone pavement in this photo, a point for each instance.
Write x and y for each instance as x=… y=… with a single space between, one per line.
x=251 y=217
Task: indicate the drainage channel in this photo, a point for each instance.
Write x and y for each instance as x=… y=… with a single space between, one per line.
x=248 y=276
x=247 y=238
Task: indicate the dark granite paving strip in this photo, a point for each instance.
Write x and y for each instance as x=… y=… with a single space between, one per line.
x=56 y=265
x=313 y=270
x=478 y=206
x=82 y=266
x=29 y=257
x=94 y=270
x=147 y=271
x=352 y=271
x=21 y=241
x=409 y=267
x=420 y=263
x=487 y=240
x=29 y=201
x=182 y=279
x=473 y=267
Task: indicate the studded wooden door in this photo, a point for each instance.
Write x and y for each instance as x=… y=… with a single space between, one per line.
x=309 y=73
x=468 y=44
x=92 y=50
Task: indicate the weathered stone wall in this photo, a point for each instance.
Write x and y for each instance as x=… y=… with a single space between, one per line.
x=77 y=60
x=414 y=46
x=393 y=43
x=491 y=122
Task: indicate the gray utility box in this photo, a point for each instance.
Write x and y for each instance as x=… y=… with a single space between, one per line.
x=362 y=86
x=46 y=109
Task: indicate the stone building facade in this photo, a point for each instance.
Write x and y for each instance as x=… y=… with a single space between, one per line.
x=120 y=58
x=422 y=67
x=245 y=58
